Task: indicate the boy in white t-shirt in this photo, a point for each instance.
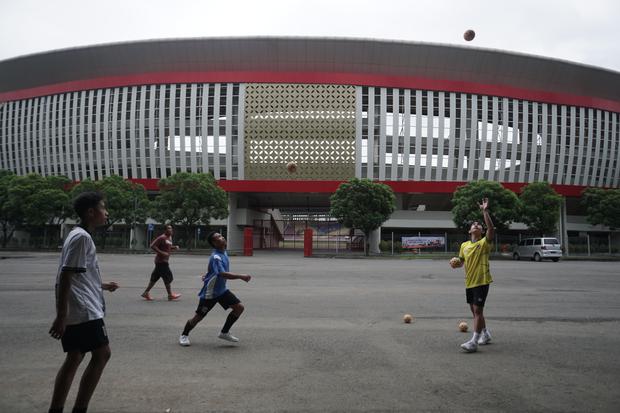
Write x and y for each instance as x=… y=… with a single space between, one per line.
x=80 y=306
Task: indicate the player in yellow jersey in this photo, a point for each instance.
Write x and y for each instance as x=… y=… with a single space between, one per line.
x=475 y=255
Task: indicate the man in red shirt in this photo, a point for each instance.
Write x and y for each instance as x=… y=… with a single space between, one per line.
x=163 y=247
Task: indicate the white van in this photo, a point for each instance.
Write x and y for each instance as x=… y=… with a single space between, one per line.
x=538 y=249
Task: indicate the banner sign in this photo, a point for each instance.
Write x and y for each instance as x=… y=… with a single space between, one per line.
x=423 y=242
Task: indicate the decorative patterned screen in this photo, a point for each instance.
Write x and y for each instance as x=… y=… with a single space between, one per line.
x=310 y=125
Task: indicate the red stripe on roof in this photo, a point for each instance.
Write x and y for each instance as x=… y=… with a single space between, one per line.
x=361 y=79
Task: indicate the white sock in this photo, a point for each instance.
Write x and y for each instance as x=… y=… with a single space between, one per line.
x=475 y=338
x=485 y=331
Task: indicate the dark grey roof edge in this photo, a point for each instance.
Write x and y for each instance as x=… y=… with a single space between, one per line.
x=364 y=57
x=318 y=38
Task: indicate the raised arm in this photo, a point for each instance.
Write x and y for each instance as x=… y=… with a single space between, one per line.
x=484 y=206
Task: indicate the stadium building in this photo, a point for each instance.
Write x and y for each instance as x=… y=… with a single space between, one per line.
x=422 y=118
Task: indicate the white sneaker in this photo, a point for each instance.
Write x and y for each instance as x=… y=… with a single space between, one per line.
x=469 y=346
x=485 y=338
x=228 y=337
x=184 y=340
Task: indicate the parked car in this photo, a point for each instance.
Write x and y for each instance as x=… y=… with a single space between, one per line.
x=538 y=249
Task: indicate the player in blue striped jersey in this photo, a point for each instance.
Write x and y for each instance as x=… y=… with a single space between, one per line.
x=214 y=291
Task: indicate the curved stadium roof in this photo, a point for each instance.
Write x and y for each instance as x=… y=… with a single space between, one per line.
x=311 y=60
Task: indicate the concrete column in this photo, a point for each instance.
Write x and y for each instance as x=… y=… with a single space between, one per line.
x=138 y=237
x=563 y=233
x=64 y=230
x=615 y=241
x=375 y=238
x=235 y=233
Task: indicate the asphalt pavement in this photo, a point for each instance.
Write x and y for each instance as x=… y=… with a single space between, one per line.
x=326 y=335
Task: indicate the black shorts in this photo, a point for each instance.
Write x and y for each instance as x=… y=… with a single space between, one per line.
x=225 y=300
x=85 y=337
x=477 y=295
x=162 y=269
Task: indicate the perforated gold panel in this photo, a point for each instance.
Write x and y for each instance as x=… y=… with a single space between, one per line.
x=310 y=125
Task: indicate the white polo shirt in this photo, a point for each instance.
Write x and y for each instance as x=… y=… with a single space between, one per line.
x=79 y=256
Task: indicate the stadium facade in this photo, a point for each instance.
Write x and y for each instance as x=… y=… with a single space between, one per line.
x=422 y=118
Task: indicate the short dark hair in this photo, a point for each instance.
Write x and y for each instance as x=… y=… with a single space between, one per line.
x=210 y=238
x=479 y=222
x=86 y=200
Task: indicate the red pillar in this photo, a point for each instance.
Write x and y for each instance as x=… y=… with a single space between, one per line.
x=308 y=242
x=248 y=242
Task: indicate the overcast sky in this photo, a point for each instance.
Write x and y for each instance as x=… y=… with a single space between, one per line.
x=580 y=31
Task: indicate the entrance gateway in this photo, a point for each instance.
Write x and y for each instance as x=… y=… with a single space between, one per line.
x=286 y=228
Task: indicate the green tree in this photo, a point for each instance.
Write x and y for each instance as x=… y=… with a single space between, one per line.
x=362 y=204
x=50 y=203
x=503 y=204
x=189 y=199
x=40 y=202
x=602 y=206
x=9 y=215
x=540 y=207
x=126 y=202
